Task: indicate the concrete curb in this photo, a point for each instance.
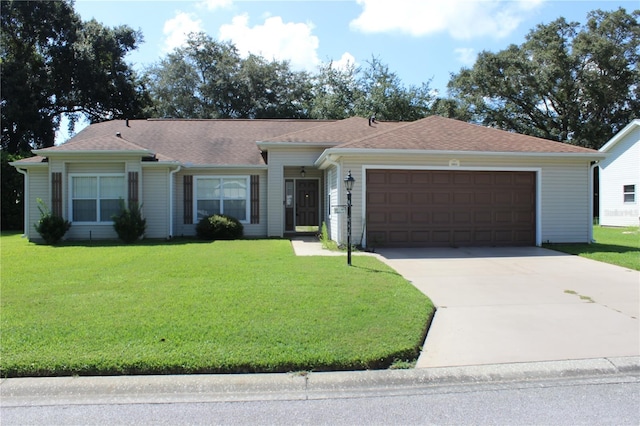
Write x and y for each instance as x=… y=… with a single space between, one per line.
x=292 y=386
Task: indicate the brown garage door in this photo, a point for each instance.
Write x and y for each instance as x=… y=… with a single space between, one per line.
x=427 y=208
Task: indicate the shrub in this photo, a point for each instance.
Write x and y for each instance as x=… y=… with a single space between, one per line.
x=129 y=223
x=219 y=227
x=51 y=227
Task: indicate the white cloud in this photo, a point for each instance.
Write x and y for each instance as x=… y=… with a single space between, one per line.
x=215 y=4
x=466 y=55
x=178 y=28
x=275 y=39
x=462 y=19
x=345 y=61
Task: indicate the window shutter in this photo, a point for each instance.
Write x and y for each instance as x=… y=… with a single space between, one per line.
x=255 y=199
x=188 y=199
x=56 y=193
x=133 y=189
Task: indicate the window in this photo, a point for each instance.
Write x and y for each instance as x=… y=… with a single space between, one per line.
x=629 y=192
x=222 y=195
x=95 y=198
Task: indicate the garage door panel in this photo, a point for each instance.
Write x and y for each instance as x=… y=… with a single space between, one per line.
x=420 y=237
x=401 y=198
x=503 y=198
x=419 y=217
x=441 y=218
x=398 y=178
x=482 y=179
x=482 y=217
x=441 y=178
x=462 y=237
x=462 y=218
x=379 y=198
x=420 y=198
x=376 y=218
x=442 y=198
x=450 y=208
x=463 y=198
x=398 y=237
x=396 y=217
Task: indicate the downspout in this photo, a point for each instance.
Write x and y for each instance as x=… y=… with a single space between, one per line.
x=25 y=200
x=171 y=200
x=591 y=187
x=338 y=174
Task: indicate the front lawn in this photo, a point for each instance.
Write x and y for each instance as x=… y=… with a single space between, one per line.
x=192 y=307
x=618 y=246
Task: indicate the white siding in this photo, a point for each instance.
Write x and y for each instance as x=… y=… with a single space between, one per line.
x=250 y=229
x=621 y=168
x=563 y=193
x=38 y=189
x=279 y=158
x=155 y=201
x=332 y=201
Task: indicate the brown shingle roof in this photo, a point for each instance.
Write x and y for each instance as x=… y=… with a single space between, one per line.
x=233 y=142
x=198 y=142
x=437 y=133
x=337 y=132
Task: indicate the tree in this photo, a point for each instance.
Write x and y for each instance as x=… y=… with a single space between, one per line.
x=383 y=95
x=209 y=79
x=53 y=63
x=566 y=82
x=335 y=92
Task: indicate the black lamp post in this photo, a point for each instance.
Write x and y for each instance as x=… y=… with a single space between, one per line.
x=348 y=184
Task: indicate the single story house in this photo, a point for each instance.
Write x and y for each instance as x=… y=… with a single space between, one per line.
x=620 y=178
x=431 y=182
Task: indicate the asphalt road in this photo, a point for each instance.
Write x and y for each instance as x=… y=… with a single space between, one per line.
x=574 y=401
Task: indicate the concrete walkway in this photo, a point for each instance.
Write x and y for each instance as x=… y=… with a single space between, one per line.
x=514 y=305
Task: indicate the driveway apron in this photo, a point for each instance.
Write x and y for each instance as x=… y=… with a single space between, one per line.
x=524 y=304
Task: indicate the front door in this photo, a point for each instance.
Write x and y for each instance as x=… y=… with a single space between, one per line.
x=307 y=206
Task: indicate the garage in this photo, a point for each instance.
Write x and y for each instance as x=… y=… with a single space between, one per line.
x=444 y=208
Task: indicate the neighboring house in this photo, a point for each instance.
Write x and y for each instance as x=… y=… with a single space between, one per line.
x=620 y=178
x=431 y=182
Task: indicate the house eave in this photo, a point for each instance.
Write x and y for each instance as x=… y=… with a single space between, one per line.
x=457 y=154
x=224 y=166
x=266 y=145
x=80 y=153
x=619 y=136
x=19 y=165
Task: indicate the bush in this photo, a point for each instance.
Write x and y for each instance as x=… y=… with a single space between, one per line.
x=219 y=227
x=129 y=223
x=51 y=227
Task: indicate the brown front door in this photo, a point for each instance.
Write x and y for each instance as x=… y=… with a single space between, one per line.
x=307 y=208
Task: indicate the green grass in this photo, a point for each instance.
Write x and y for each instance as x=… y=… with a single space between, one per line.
x=191 y=307
x=618 y=246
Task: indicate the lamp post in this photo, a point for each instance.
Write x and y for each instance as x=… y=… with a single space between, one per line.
x=348 y=184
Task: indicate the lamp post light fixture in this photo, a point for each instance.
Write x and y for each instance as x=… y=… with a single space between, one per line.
x=348 y=184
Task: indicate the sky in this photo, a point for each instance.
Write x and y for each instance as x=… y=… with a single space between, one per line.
x=422 y=41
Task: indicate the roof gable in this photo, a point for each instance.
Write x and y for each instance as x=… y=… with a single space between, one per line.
x=613 y=142
x=190 y=142
x=435 y=133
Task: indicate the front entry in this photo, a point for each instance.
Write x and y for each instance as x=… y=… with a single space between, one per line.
x=303 y=213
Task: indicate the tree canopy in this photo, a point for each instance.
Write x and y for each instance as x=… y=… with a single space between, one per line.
x=567 y=82
x=208 y=79
x=53 y=63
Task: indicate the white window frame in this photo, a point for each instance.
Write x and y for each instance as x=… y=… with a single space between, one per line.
x=98 y=176
x=629 y=190
x=222 y=178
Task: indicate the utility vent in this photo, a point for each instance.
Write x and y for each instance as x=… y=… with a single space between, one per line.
x=118 y=134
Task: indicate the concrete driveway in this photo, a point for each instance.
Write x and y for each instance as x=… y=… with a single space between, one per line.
x=524 y=304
